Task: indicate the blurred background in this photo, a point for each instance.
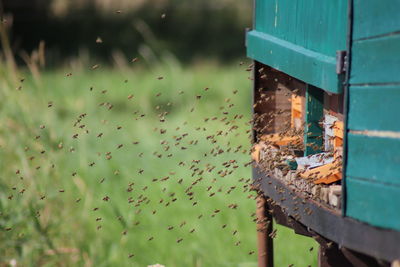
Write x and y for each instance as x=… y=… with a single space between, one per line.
x=125 y=135
x=191 y=31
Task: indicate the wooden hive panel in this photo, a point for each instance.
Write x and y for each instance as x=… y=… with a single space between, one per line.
x=373 y=130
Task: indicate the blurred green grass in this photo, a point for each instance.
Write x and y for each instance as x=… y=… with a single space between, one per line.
x=75 y=225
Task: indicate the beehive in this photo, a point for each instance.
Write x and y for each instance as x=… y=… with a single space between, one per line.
x=335 y=64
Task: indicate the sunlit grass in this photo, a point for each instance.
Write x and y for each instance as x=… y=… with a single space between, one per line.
x=64 y=202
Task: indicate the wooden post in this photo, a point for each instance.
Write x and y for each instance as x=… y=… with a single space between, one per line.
x=313 y=116
x=264 y=229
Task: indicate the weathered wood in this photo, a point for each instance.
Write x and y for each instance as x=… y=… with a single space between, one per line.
x=372 y=202
x=373 y=158
x=271 y=100
x=347 y=232
x=313 y=140
x=376 y=60
x=373 y=18
x=374 y=108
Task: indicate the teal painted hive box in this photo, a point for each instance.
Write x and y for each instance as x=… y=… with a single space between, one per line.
x=306 y=39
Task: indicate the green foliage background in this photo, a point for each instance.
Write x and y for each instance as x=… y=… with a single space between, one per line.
x=58 y=230
x=71 y=198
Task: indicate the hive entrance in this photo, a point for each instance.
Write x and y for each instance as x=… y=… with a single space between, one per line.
x=298 y=134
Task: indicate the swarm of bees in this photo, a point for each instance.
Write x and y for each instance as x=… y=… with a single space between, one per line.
x=175 y=142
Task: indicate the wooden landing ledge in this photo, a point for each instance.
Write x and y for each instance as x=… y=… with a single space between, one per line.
x=349 y=233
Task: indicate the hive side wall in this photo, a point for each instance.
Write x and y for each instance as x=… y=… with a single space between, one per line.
x=373 y=136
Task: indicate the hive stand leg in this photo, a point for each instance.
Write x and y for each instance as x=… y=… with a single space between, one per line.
x=264 y=229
